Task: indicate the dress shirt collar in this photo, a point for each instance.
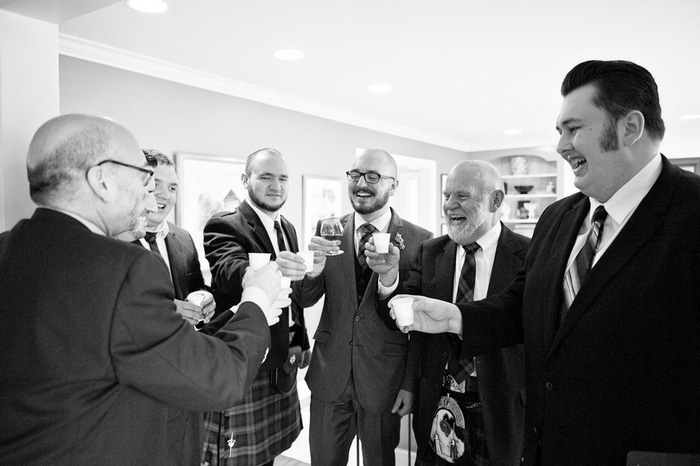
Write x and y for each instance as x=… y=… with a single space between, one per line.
x=487 y=242
x=621 y=205
x=91 y=226
x=161 y=230
x=381 y=223
x=265 y=218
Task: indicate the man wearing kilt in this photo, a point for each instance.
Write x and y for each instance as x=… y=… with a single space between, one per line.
x=269 y=419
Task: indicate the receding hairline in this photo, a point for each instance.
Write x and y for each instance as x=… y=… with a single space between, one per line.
x=386 y=156
x=486 y=172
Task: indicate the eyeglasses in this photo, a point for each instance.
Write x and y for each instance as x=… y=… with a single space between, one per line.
x=370 y=178
x=149 y=172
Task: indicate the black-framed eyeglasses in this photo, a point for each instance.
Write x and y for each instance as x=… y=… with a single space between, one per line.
x=370 y=178
x=147 y=171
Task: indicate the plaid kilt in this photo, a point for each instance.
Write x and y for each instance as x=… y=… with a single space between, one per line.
x=259 y=429
x=476 y=452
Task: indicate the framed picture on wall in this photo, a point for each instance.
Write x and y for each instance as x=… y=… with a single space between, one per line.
x=208 y=184
x=443 y=183
x=321 y=198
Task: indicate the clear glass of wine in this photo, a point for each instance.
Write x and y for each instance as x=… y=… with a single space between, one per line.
x=332 y=230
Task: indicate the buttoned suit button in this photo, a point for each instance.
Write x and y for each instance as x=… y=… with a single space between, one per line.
x=357 y=318
x=549 y=386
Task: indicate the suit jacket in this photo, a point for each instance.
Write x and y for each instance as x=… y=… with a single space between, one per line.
x=351 y=337
x=185 y=429
x=622 y=371
x=228 y=238
x=95 y=352
x=501 y=373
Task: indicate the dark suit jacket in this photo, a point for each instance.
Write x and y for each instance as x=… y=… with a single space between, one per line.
x=376 y=355
x=228 y=238
x=185 y=429
x=622 y=372
x=501 y=373
x=94 y=352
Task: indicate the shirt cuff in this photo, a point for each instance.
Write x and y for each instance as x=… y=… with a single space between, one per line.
x=386 y=291
x=256 y=295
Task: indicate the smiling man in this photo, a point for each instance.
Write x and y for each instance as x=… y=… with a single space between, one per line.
x=273 y=403
x=478 y=257
x=358 y=378
x=608 y=302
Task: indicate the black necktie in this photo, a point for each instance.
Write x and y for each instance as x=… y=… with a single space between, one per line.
x=151 y=240
x=462 y=368
x=366 y=231
x=280 y=236
x=578 y=271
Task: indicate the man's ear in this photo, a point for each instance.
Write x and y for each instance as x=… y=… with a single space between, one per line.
x=633 y=127
x=394 y=185
x=244 y=180
x=496 y=199
x=98 y=182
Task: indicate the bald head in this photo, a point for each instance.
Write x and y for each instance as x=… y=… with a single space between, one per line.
x=64 y=148
x=472 y=198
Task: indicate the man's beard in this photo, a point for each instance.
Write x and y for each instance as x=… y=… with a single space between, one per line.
x=264 y=205
x=461 y=233
x=608 y=140
x=366 y=209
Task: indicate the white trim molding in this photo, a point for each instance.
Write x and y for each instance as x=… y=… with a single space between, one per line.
x=76 y=47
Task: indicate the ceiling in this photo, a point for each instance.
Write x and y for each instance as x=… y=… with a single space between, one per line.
x=462 y=71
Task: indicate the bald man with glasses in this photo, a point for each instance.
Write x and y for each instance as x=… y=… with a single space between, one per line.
x=93 y=350
x=357 y=373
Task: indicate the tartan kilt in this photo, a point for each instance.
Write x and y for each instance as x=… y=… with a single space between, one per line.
x=263 y=426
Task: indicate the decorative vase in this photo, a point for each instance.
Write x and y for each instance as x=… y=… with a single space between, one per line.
x=518 y=165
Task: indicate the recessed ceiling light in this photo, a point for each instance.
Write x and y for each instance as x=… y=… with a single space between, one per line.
x=148 y=6
x=512 y=132
x=690 y=117
x=289 y=54
x=379 y=88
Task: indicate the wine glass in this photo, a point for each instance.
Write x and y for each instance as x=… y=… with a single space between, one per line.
x=332 y=230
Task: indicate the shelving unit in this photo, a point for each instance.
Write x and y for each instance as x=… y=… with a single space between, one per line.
x=541 y=172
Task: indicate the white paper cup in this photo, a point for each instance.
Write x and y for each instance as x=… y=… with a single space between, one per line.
x=285 y=282
x=258 y=260
x=403 y=310
x=308 y=257
x=381 y=242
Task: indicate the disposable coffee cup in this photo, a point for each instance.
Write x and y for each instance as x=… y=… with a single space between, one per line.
x=308 y=257
x=381 y=242
x=258 y=260
x=403 y=309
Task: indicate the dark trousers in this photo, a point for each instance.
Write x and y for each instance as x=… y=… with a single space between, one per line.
x=335 y=424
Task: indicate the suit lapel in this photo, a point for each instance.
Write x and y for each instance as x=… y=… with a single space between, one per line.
x=290 y=234
x=644 y=222
x=177 y=267
x=559 y=256
x=445 y=271
x=505 y=263
x=259 y=232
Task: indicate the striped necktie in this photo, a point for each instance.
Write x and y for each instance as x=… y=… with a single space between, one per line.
x=578 y=271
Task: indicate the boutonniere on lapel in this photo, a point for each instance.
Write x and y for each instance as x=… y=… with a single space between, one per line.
x=398 y=241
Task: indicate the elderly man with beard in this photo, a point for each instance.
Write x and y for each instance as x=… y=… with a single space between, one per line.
x=269 y=420
x=357 y=375
x=479 y=256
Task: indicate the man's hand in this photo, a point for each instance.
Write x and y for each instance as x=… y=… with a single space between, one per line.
x=205 y=300
x=386 y=265
x=191 y=312
x=266 y=279
x=291 y=265
x=320 y=247
x=403 y=403
x=431 y=316
x=305 y=359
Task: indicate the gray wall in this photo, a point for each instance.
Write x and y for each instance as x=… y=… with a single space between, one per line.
x=174 y=117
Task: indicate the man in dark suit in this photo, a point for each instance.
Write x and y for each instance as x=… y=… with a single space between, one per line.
x=357 y=375
x=612 y=354
x=94 y=352
x=174 y=244
x=269 y=419
x=472 y=199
